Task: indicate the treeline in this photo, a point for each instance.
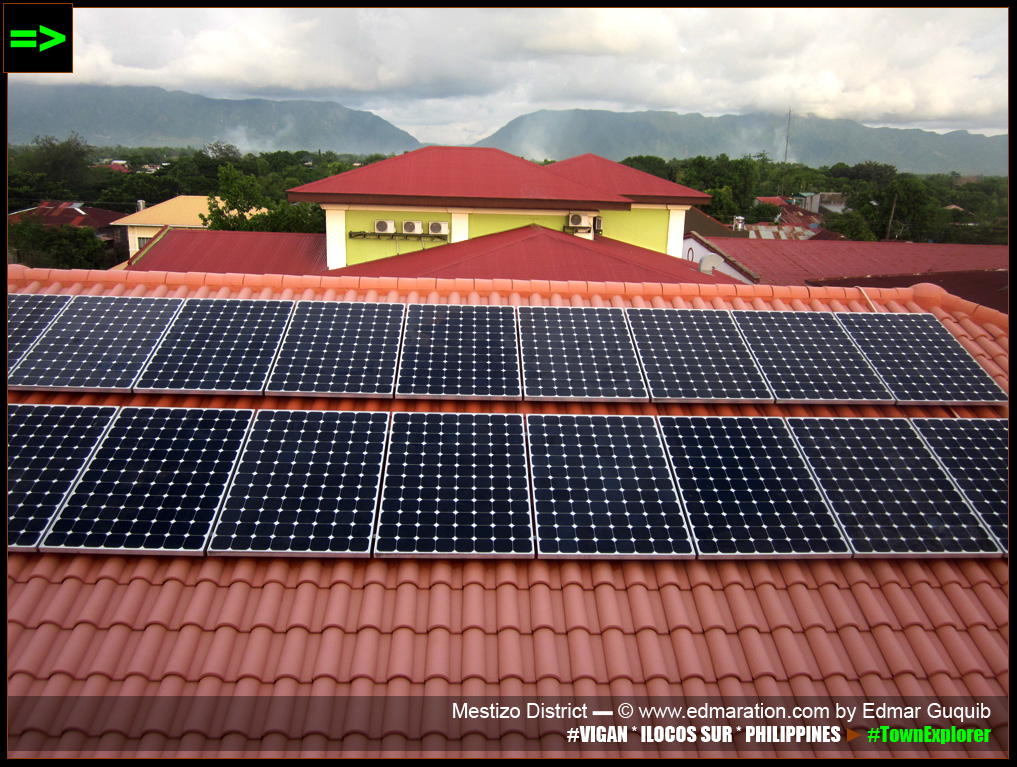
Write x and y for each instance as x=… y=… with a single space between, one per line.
x=883 y=203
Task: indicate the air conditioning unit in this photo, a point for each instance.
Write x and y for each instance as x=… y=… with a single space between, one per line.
x=437 y=227
x=413 y=227
x=384 y=227
x=580 y=220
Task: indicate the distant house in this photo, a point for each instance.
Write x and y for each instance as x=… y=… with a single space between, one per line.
x=182 y=212
x=117 y=166
x=54 y=213
x=450 y=194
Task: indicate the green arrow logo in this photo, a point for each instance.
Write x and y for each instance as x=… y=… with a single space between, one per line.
x=55 y=38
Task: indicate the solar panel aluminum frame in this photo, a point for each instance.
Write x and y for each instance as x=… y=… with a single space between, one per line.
x=494 y=398
x=297 y=393
x=691 y=555
x=1004 y=545
x=949 y=338
x=138 y=389
x=197 y=552
x=527 y=395
x=99 y=389
x=888 y=400
x=719 y=400
x=208 y=551
x=66 y=494
x=59 y=299
x=746 y=556
x=532 y=554
x=898 y=555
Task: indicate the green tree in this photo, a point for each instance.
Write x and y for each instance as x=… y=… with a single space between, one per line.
x=239 y=197
x=762 y=213
x=64 y=247
x=851 y=224
x=27 y=190
x=649 y=163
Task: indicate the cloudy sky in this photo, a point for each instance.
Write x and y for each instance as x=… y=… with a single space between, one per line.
x=451 y=76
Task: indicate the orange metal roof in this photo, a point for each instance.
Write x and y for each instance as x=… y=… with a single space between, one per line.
x=237 y=630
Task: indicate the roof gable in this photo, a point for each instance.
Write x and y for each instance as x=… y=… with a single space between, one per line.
x=637 y=185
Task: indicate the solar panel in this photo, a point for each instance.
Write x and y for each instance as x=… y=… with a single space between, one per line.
x=747 y=490
x=154 y=484
x=28 y=315
x=602 y=487
x=887 y=490
x=920 y=360
x=695 y=354
x=453 y=351
x=218 y=345
x=807 y=357
x=47 y=445
x=455 y=483
x=97 y=343
x=573 y=352
x=976 y=453
x=307 y=483
x=339 y=348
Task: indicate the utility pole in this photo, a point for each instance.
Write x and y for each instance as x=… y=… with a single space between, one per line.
x=889 y=223
x=787 y=143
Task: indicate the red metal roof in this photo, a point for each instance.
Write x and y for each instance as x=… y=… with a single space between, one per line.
x=538 y=253
x=635 y=184
x=72 y=213
x=254 y=637
x=792 y=262
x=457 y=176
x=189 y=250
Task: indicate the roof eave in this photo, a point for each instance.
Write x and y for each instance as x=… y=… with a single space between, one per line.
x=527 y=203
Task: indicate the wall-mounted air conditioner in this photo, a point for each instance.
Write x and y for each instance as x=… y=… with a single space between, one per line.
x=580 y=220
x=413 y=227
x=382 y=226
x=437 y=227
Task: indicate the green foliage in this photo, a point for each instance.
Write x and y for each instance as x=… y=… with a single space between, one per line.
x=65 y=247
x=762 y=213
x=301 y=217
x=243 y=207
x=27 y=190
x=123 y=191
x=851 y=224
x=649 y=164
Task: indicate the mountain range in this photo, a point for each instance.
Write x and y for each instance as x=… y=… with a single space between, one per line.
x=149 y=116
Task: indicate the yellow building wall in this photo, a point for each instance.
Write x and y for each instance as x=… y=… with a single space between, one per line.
x=372 y=248
x=490 y=223
x=644 y=227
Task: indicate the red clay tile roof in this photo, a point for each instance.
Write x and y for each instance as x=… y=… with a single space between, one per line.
x=72 y=213
x=253 y=637
x=792 y=262
x=190 y=250
x=637 y=185
x=537 y=253
x=457 y=176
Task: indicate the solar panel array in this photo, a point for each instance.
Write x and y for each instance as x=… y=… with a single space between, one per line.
x=602 y=487
x=808 y=357
x=920 y=360
x=307 y=482
x=97 y=343
x=747 y=489
x=47 y=446
x=976 y=454
x=218 y=345
x=339 y=348
x=578 y=353
x=453 y=351
x=153 y=480
x=357 y=349
x=154 y=484
x=889 y=493
x=695 y=354
x=28 y=315
x=455 y=483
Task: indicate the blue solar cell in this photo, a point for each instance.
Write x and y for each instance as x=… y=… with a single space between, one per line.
x=218 y=346
x=28 y=316
x=97 y=343
x=747 y=489
x=154 y=484
x=578 y=352
x=455 y=484
x=976 y=453
x=887 y=490
x=47 y=446
x=454 y=351
x=602 y=487
x=920 y=360
x=307 y=483
x=339 y=348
